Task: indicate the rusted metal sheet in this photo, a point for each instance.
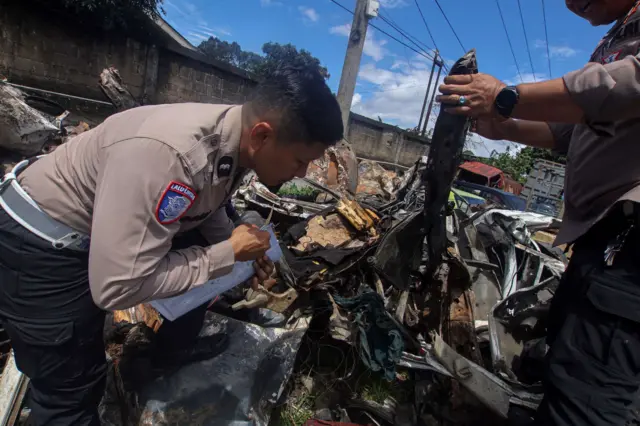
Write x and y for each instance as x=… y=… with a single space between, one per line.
x=327 y=232
x=337 y=169
x=480 y=169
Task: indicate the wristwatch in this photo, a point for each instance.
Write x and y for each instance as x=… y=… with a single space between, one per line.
x=506 y=100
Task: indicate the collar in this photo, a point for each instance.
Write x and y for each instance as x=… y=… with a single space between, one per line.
x=608 y=39
x=633 y=10
x=225 y=163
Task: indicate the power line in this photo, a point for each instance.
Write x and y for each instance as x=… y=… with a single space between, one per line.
x=513 y=53
x=451 y=26
x=404 y=34
x=394 y=89
x=424 y=54
x=546 y=36
x=411 y=38
x=526 y=40
x=433 y=40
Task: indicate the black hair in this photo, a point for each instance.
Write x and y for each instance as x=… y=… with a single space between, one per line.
x=300 y=100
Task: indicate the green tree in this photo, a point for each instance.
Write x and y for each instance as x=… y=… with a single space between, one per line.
x=274 y=54
x=519 y=165
x=110 y=14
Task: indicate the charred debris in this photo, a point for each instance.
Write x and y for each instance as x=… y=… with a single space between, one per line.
x=393 y=306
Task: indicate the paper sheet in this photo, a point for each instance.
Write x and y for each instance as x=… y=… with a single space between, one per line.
x=174 y=307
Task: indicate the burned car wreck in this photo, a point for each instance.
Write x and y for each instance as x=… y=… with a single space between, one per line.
x=389 y=306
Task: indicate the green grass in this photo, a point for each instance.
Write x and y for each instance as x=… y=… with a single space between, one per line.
x=297 y=412
x=377 y=389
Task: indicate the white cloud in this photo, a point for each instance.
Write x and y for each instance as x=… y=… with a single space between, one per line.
x=391 y=4
x=309 y=13
x=562 y=51
x=372 y=47
x=176 y=8
x=204 y=34
x=526 y=78
x=212 y=31
x=556 y=51
x=343 y=30
x=396 y=94
x=196 y=38
x=399 y=64
x=191 y=8
x=266 y=3
x=357 y=98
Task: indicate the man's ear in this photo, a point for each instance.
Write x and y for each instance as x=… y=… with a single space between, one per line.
x=260 y=134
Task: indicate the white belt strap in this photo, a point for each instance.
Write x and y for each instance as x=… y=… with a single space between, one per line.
x=19 y=205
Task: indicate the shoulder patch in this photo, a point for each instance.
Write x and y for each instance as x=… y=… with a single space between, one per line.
x=611 y=57
x=176 y=199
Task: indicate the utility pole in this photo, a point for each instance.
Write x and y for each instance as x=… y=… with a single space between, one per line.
x=426 y=95
x=426 y=120
x=365 y=9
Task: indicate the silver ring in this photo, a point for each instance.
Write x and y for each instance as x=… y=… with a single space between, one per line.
x=462 y=100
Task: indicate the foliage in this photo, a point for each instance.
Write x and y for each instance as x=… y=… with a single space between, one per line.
x=110 y=14
x=274 y=55
x=298 y=192
x=519 y=165
x=230 y=53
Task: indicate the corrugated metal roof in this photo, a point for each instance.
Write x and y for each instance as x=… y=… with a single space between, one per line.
x=480 y=168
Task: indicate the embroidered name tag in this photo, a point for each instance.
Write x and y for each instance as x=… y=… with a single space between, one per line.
x=174 y=203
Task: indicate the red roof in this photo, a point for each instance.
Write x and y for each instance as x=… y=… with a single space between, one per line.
x=480 y=168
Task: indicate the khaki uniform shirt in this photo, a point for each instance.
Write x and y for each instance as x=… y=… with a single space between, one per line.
x=136 y=181
x=603 y=154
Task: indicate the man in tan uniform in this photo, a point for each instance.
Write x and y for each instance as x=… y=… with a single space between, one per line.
x=90 y=227
x=593 y=115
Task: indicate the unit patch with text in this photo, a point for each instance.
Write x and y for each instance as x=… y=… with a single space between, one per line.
x=176 y=199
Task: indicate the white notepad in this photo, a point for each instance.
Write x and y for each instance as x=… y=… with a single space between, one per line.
x=174 y=307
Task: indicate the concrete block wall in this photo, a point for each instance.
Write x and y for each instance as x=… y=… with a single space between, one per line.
x=182 y=79
x=379 y=141
x=37 y=52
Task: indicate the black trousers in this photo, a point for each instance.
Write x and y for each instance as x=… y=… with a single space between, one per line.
x=56 y=330
x=593 y=364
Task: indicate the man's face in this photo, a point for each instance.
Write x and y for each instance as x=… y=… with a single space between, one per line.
x=600 y=12
x=277 y=162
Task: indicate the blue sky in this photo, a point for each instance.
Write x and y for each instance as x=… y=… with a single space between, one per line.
x=392 y=80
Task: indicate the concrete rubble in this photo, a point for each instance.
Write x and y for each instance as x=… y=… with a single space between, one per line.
x=390 y=306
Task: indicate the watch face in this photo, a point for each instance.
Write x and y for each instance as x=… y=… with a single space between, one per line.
x=507 y=98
